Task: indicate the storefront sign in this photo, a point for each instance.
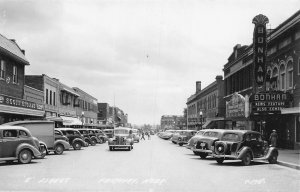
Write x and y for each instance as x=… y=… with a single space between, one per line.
x=236 y=106
x=269 y=102
x=260 y=48
x=6 y=100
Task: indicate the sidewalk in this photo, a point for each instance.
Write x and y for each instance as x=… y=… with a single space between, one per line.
x=289 y=158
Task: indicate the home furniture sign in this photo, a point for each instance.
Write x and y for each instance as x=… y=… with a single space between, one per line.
x=6 y=100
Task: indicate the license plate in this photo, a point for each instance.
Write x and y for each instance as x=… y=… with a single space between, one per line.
x=202 y=144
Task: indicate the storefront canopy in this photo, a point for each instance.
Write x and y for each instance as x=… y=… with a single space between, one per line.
x=70 y=121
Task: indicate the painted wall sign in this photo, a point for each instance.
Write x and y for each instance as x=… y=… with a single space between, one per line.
x=6 y=100
x=269 y=102
x=236 y=106
x=260 y=48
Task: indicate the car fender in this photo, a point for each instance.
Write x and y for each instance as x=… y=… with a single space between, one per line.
x=80 y=140
x=63 y=142
x=94 y=137
x=35 y=151
x=271 y=151
x=243 y=151
x=44 y=144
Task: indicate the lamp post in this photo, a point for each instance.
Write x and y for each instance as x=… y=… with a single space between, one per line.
x=200 y=114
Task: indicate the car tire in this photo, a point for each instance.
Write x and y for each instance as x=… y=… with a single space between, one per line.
x=94 y=142
x=180 y=144
x=110 y=148
x=273 y=159
x=196 y=153
x=246 y=160
x=25 y=156
x=101 y=140
x=59 y=149
x=76 y=145
x=129 y=148
x=203 y=155
x=220 y=160
x=173 y=142
x=43 y=151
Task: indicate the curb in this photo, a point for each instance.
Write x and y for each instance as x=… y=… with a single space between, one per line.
x=290 y=165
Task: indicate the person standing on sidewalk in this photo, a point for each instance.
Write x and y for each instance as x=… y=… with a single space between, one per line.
x=273 y=138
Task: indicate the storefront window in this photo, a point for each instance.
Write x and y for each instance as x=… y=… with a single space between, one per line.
x=2 y=69
x=282 y=77
x=290 y=74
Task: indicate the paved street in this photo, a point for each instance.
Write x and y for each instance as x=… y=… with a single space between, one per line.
x=153 y=165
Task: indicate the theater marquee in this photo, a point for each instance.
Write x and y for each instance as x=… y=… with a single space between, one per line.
x=269 y=102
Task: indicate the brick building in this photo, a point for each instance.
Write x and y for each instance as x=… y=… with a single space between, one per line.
x=13 y=102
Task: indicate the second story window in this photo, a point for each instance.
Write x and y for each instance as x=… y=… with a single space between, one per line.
x=50 y=99
x=2 y=70
x=46 y=96
x=54 y=99
x=15 y=74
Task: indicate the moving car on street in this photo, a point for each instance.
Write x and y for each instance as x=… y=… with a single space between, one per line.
x=122 y=139
x=244 y=145
x=17 y=143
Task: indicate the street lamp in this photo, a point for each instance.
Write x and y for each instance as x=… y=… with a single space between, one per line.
x=200 y=114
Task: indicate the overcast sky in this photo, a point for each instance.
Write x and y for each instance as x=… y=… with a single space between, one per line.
x=146 y=54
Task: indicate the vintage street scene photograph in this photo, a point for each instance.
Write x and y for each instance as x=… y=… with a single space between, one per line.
x=149 y=95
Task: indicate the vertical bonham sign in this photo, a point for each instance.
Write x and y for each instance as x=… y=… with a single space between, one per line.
x=260 y=48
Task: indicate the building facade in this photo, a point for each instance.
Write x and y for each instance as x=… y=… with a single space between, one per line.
x=276 y=104
x=13 y=103
x=103 y=114
x=206 y=105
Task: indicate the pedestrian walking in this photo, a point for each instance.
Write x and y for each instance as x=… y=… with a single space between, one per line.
x=143 y=136
x=148 y=134
x=273 y=138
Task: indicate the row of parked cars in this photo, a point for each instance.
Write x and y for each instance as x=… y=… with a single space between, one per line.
x=24 y=140
x=224 y=144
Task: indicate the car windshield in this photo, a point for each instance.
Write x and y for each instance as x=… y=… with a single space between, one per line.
x=231 y=137
x=211 y=134
x=121 y=131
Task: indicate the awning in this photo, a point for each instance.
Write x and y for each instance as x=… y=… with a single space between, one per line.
x=57 y=119
x=70 y=121
x=291 y=110
x=70 y=91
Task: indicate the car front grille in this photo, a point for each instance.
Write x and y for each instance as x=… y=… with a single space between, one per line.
x=201 y=145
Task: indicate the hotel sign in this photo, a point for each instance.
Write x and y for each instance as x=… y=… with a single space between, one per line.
x=269 y=102
x=260 y=48
x=6 y=100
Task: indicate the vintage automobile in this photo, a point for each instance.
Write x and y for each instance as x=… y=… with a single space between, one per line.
x=244 y=145
x=44 y=131
x=175 y=136
x=109 y=132
x=167 y=134
x=76 y=140
x=194 y=139
x=60 y=136
x=203 y=146
x=123 y=139
x=17 y=143
x=185 y=136
x=136 y=137
x=89 y=138
x=97 y=135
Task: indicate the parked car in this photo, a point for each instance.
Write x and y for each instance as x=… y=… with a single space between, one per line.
x=194 y=139
x=167 y=134
x=76 y=140
x=121 y=140
x=204 y=145
x=175 y=136
x=60 y=136
x=244 y=145
x=17 y=143
x=88 y=138
x=95 y=135
x=136 y=137
x=101 y=135
x=185 y=136
x=109 y=132
x=44 y=132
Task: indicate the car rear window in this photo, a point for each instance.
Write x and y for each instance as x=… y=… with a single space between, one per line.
x=231 y=137
x=211 y=134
